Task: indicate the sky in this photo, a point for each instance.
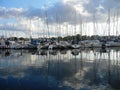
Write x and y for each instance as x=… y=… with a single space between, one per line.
x=25 y=3
x=47 y=18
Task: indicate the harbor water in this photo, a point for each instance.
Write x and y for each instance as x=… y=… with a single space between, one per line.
x=83 y=69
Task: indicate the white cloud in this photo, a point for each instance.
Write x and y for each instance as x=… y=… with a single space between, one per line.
x=10 y=12
x=71 y=12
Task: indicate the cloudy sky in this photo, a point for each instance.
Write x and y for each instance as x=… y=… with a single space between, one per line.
x=45 y=18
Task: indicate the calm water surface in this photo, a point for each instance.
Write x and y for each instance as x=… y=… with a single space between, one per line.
x=60 y=70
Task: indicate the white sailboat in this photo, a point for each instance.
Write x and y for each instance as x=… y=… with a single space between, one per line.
x=112 y=43
x=2 y=43
x=75 y=44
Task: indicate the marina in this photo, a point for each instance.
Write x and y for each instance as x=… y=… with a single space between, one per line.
x=59 y=44
x=50 y=44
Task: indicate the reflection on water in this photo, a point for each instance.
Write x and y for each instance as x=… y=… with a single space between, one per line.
x=60 y=70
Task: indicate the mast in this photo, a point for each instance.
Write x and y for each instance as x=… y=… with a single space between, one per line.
x=117 y=24
x=80 y=26
x=30 y=30
x=94 y=32
x=57 y=26
x=46 y=21
x=109 y=24
x=75 y=26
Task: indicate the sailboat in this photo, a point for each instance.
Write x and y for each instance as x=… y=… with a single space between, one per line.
x=112 y=43
x=2 y=43
x=95 y=43
x=75 y=44
x=44 y=44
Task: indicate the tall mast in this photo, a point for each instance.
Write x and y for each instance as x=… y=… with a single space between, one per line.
x=30 y=31
x=117 y=24
x=80 y=26
x=75 y=24
x=109 y=23
x=94 y=28
x=46 y=21
x=57 y=26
